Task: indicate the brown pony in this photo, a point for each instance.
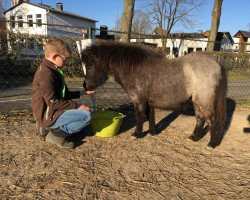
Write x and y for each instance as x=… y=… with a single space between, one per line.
x=152 y=81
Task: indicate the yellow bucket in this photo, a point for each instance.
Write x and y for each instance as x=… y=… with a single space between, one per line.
x=106 y=123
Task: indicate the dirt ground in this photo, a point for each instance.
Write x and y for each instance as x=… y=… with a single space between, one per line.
x=166 y=166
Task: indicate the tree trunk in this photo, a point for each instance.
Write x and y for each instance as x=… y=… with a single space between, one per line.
x=127 y=17
x=215 y=24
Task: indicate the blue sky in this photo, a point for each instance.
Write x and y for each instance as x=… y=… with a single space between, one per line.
x=235 y=14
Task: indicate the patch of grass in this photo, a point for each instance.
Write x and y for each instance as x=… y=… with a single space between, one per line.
x=241 y=74
x=245 y=104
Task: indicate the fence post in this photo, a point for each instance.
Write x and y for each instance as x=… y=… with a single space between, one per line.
x=90 y=32
x=81 y=45
x=92 y=96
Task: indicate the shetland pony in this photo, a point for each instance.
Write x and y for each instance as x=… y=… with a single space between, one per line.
x=153 y=81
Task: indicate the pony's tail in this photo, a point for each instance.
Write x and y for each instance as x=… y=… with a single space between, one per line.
x=220 y=103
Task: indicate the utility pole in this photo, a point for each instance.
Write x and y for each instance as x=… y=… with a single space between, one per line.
x=116 y=18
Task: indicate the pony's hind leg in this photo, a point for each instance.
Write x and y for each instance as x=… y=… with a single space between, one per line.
x=197 y=133
x=215 y=131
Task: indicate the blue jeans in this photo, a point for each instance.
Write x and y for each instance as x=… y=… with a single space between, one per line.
x=72 y=121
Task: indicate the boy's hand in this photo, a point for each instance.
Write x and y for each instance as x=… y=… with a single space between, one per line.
x=83 y=107
x=90 y=92
x=87 y=92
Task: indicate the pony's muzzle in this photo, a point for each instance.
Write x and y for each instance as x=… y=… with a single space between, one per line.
x=87 y=86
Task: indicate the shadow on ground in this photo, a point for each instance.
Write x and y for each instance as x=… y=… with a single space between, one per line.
x=78 y=137
x=247 y=129
x=130 y=121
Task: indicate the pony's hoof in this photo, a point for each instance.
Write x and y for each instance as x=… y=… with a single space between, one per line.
x=213 y=144
x=194 y=138
x=138 y=135
x=153 y=133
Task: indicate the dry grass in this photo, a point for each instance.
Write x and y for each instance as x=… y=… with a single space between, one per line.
x=166 y=166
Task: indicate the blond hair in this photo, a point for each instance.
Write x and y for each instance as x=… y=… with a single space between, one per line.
x=57 y=46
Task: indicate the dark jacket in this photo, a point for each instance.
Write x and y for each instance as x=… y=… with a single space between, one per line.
x=47 y=104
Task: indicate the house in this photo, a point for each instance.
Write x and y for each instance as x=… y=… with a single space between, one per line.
x=224 y=41
x=42 y=20
x=179 y=44
x=241 y=40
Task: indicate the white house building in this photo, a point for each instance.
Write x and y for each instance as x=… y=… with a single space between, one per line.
x=26 y=17
x=179 y=44
x=38 y=19
x=242 y=41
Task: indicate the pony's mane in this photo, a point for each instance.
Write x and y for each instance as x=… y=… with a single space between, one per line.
x=126 y=56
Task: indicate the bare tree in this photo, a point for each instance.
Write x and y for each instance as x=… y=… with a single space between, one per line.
x=117 y=28
x=127 y=17
x=117 y=25
x=214 y=25
x=2 y=8
x=141 y=23
x=168 y=13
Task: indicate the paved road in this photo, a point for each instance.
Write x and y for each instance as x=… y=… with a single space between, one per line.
x=107 y=95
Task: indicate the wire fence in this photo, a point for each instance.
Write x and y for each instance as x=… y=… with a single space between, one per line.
x=21 y=53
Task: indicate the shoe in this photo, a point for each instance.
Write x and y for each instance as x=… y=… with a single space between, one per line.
x=43 y=132
x=58 y=139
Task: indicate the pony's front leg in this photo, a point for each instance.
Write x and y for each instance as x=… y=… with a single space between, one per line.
x=140 y=117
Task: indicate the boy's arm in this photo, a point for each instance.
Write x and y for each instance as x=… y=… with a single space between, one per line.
x=77 y=94
x=74 y=94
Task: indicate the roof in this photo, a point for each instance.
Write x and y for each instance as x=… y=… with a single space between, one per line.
x=53 y=10
x=221 y=35
x=195 y=36
x=158 y=31
x=246 y=34
x=227 y=34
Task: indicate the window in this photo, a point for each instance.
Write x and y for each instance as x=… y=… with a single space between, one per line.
x=20 y=21
x=198 y=49
x=38 y=20
x=12 y=21
x=190 y=49
x=30 y=20
x=175 y=51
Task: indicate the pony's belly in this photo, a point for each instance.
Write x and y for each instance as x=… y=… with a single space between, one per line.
x=169 y=104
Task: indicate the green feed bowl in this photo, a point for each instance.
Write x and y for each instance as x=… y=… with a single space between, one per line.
x=106 y=123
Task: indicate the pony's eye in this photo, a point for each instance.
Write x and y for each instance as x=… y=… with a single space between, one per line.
x=89 y=67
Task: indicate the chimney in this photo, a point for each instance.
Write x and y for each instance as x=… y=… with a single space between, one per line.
x=59 y=6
